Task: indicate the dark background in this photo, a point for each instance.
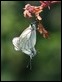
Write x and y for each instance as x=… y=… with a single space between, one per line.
x=46 y=65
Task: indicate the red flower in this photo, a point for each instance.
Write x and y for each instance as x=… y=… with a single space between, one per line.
x=29 y=10
x=36 y=10
x=42 y=30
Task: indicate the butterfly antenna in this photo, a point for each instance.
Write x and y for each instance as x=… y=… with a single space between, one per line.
x=27 y=65
x=30 y=62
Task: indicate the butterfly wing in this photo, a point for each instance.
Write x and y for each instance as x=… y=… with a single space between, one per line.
x=26 y=41
x=33 y=36
x=15 y=42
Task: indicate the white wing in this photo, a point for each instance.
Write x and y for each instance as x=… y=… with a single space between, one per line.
x=15 y=42
x=26 y=41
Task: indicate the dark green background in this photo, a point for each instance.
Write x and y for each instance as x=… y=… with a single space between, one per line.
x=46 y=65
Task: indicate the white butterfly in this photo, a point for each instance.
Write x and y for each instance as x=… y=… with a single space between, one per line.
x=26 y=41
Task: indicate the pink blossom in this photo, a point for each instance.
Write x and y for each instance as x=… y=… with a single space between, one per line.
x=29 y=10
x=36 y=10
x=42 y=30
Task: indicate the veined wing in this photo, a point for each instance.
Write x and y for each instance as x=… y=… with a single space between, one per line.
x=16 y=41
x=26 y=31
x=28 y=41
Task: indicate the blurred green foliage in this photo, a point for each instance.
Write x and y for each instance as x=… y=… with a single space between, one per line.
x=46 y=65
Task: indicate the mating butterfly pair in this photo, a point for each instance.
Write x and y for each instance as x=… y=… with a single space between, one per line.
x=27 y=40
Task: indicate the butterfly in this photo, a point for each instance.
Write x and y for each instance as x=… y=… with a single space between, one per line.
x=26 y=41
